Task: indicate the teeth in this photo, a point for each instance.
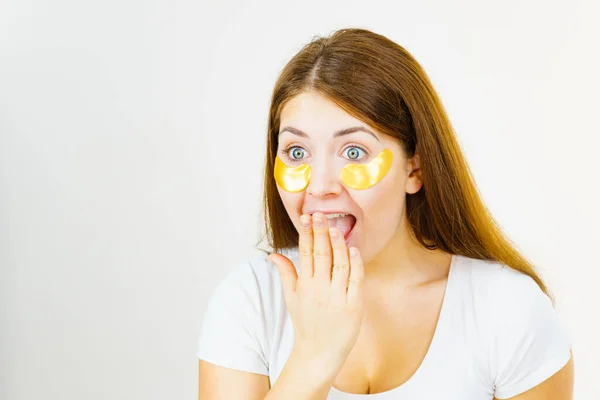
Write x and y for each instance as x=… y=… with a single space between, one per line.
x=331 y=216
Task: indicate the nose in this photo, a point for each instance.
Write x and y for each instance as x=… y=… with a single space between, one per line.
x=324 y=181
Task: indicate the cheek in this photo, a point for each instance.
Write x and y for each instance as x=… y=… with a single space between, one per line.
x=382 y=203
x=292 y=203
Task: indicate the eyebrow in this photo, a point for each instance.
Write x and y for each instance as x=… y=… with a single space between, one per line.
x=337 y=134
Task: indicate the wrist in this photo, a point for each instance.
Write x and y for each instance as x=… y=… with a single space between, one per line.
x=321 y=368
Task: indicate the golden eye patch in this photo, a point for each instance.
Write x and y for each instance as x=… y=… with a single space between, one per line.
x=355 y=176
x=364 y=176
x=291 y=179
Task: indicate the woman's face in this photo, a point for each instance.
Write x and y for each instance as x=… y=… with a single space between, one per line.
x=307 y=130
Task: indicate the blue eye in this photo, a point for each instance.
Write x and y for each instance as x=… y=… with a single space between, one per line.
x=353 y=152
x=295 y=153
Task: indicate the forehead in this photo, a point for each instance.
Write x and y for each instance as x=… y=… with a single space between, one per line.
x=316 y=115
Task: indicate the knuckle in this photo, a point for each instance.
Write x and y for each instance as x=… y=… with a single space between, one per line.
x=305 y=251
x=321 y=254
x=340 y=267
x=354 y=282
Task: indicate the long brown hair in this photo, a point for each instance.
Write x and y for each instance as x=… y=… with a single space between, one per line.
x=377 y=81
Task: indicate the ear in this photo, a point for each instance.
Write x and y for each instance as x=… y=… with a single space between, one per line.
x=414 y=180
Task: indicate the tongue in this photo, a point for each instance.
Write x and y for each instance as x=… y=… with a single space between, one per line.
x=344 y=224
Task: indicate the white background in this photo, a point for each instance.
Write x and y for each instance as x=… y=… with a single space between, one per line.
x=131 y=153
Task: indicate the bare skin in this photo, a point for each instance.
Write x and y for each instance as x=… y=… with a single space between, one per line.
x=396 y=332
x=399 y=280
x=400 y=275
x=384 y=356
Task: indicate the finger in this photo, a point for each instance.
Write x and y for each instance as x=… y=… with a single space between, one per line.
x=356 y=278
x=321 y=248
x=341 y=264
x=305 y=247
x=287 y=272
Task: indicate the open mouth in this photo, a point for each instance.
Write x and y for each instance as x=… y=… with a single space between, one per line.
x=344 y=222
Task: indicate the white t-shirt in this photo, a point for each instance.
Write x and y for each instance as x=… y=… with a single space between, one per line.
x=497 y=334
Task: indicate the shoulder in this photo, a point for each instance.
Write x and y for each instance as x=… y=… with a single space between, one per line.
x=507 y=306
x=498 y=286
x=254 y=279
x=259 y=267
x=524 y=338
x=241 y=319
x=249 y=272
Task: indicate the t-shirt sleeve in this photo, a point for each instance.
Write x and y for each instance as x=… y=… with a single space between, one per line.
x=233 y=331
x=531 y=342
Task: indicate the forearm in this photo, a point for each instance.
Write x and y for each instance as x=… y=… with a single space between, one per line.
x=303 y=379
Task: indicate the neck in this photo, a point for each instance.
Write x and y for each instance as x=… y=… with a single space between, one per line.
x=406 y=262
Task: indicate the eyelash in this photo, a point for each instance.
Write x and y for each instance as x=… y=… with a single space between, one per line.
x=286 y=151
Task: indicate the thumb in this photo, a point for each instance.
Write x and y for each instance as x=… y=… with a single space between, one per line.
x=287 y=272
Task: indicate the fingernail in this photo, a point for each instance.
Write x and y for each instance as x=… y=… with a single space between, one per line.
x=333 y=233
x=318 y=220
x=305 y=220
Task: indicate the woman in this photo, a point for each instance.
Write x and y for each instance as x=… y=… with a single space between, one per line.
x=389 y=279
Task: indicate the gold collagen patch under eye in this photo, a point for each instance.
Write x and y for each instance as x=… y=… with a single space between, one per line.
x=355 y=176
x=364 y=176
x=291 y=179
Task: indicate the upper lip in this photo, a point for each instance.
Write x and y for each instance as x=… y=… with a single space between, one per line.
x=311 y=212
